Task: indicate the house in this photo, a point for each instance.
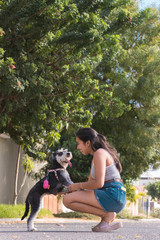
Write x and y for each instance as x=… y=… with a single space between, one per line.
x=149 y=176
x=145 y=204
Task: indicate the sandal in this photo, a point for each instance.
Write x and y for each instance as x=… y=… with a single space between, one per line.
x=100 y=223
x=97 y=224
x=105 y=227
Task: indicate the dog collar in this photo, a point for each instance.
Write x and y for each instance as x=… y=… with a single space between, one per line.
x=55 y=171
x=46 y=181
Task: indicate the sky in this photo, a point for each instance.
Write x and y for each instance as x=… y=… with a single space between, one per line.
x=147 y=3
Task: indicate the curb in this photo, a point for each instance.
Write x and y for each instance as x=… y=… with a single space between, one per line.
x=70 y=220
x=46 y=220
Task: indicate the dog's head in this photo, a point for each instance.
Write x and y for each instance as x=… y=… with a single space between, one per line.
x=62 y=156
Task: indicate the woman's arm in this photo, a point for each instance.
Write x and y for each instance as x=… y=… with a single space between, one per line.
x=90 y=176
x=99 y=160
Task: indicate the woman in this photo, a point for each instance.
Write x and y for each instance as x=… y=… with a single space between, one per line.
x=103 y=194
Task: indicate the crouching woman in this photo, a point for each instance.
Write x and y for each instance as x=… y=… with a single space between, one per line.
x=103 y=194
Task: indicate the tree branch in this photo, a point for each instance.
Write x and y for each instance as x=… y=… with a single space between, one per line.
x=16 y=176
x=23 y=181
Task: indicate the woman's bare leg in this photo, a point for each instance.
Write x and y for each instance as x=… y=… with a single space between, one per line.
x=85 y=201
x=107 y=218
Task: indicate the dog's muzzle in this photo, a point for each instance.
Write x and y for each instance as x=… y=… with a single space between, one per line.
x=68 y=157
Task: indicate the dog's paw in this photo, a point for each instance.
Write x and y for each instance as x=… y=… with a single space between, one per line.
x=32 y=230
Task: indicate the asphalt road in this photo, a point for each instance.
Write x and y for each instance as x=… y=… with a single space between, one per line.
x=78 y=230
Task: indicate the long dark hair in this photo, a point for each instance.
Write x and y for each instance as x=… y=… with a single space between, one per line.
x=98 y=141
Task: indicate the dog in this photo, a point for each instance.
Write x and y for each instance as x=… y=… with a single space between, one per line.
x=56 y=182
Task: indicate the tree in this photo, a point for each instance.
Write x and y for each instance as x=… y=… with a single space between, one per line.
x=49 y=51
x=81 y=63
x=132 y=77
x=135 y=82
x=154 y=190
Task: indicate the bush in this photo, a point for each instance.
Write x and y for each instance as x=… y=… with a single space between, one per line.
x=124 y=214
x=156 y=213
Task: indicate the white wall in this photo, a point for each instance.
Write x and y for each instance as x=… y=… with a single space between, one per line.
x=8 y=157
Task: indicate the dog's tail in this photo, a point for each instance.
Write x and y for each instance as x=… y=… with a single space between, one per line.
x=26 y=210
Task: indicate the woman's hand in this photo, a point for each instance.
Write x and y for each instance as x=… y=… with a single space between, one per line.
x=74 y=187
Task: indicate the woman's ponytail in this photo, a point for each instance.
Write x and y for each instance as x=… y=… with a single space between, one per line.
x=98 y=141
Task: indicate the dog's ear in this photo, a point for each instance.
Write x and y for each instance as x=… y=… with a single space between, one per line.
x=53 y=156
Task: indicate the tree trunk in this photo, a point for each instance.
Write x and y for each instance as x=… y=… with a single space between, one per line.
x=16 y=176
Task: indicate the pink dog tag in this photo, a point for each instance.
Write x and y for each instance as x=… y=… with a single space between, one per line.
x=46 y=184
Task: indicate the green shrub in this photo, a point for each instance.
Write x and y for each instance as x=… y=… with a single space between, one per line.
x=156 y=213
x=44 y=213
x=124 y=214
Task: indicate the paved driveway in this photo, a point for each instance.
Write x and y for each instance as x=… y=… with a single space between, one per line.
x=78 y=230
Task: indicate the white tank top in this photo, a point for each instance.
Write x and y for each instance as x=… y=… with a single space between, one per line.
x=111 y=172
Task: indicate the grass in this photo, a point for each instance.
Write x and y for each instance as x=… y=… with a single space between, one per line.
x=123 y=215
x=77 y=215
x=12 y=211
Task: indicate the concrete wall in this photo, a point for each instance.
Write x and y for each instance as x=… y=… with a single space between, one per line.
x=8 y=157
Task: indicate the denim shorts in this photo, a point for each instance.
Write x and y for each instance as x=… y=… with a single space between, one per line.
x=112 y=196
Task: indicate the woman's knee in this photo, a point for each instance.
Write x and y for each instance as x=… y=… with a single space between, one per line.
x=66 y=200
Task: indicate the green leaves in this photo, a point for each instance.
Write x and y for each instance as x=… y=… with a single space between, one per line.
x=27 y=164
x=154 y=190
x=67 y=64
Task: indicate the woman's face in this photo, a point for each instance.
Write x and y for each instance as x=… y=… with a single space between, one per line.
x=84 y=147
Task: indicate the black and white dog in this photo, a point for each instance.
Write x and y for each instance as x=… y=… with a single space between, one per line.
x=55 y=182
